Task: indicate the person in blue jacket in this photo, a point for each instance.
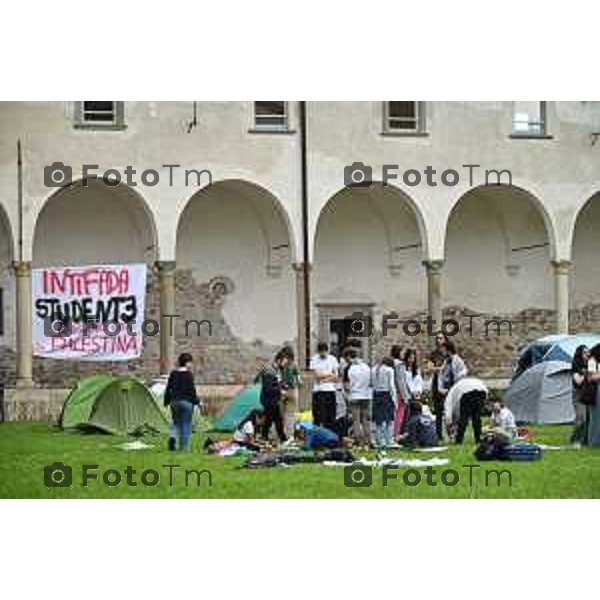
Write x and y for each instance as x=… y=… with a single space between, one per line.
x=315 y=437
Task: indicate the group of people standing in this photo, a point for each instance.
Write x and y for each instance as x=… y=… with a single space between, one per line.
x=349 y=396
x=390 y=395
x=585 y=374
x=349 y=389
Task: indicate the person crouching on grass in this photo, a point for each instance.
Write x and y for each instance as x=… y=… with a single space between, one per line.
x=271 y=393
x=420 y=428
x=244 y=435
x=319 y=438
x=502 y=421
x=181 y=397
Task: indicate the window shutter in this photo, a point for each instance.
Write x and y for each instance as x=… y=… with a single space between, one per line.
x=78 y=111
x=119 y=114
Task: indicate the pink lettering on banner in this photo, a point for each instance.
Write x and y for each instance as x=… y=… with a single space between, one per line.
x=89 y=300
x=119 y=346
x=95 y=281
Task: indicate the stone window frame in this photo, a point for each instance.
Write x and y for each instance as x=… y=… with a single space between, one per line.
x=329 y=311
x=117 y=123
x=420 y=121
x=270 y=128
x=530 y=133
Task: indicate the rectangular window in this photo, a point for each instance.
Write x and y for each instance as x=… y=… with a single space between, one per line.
x=403 y=117
x=271 y=115
x=529 y=118
x=96 y=111
x=98 y=114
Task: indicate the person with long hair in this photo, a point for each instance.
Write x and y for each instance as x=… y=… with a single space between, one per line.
x=246 y=431
x=414 y=380
x=589 y=397
x=579 y=375
x=402 y=391
x=437 y=358
x=181 y=397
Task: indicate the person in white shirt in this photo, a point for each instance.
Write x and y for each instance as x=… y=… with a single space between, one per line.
x=414 y=380
x=472 y=395
x=360 y=395
x=502 y=420
x=384 y=401
x=326 y=371
x=245 y=432
x=453 y=398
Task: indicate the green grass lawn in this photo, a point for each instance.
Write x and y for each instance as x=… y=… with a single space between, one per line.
x=26 y=448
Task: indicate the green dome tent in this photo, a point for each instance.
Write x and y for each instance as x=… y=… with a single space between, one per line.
x=119 y=405
x=239 y=407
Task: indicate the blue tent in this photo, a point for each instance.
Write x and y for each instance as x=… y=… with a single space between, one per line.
x=555 y=348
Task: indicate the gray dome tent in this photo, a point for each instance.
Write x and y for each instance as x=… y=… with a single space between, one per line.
x=542 y=394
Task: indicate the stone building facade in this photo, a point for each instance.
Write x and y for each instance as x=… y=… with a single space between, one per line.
x=228 y=246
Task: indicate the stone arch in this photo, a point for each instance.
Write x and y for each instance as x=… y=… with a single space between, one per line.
x=237 y=231
x=585 y=286
x=368 y=253
x=94 y=223
x=498 y=245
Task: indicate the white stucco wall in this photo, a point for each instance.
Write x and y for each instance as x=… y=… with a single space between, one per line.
x=351 y=237
x=232 y=230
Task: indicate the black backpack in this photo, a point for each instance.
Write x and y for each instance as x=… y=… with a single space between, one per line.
x=491 y=447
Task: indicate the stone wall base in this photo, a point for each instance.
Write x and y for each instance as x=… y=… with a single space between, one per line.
x=45 y=404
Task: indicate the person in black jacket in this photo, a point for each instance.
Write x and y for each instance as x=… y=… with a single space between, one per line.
x=579 y=376
x=271 y=392
x=181 y=396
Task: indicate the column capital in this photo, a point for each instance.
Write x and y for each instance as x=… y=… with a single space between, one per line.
x=301 y=266
x=22 y=268
x=433 y=266
x=561 y=266
x=166 y=266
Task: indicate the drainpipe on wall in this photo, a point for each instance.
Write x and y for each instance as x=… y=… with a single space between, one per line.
x=305 y=236
x=20 y=197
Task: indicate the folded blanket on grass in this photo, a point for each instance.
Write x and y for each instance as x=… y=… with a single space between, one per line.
x=562 y=447
x=273 y=459
x=135 y=445
x=394 y=462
